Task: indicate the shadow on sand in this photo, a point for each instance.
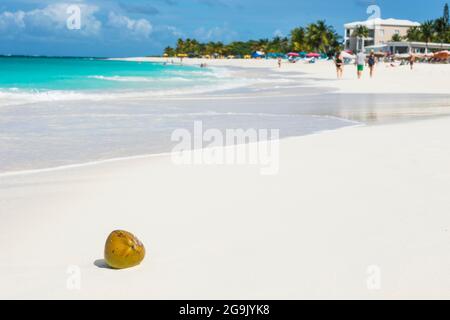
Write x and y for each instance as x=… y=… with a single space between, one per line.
x=101 y=263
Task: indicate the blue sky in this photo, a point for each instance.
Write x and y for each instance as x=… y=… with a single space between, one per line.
x=141 y=27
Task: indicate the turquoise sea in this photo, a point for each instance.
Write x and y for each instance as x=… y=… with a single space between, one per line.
x=67 y=111
x=21 y=76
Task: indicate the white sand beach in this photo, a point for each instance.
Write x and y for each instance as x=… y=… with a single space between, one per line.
x=425 y=78
x=361 y=212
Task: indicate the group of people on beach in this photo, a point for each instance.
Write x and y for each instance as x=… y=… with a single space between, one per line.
x=361 y=61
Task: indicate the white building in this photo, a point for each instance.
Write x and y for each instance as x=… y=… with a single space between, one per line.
x=381 y=32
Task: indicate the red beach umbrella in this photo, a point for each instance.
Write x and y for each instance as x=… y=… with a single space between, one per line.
x=293 y=54
x=313 y=55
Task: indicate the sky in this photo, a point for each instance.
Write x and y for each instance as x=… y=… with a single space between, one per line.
x=119 y=28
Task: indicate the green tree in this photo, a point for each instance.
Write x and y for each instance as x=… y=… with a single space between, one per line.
x=446 y=15
x=440 y=28
x=414 y=34
x=180 y=46
x=318 y=36
x=278 y=45
x=361 y=33
x=396 y=37
x=428 y=32
x=262 y=45
x=321 y=37
x=169 y=51
x=335 y=41
x=298 y=39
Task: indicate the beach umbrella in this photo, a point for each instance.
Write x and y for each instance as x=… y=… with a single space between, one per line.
x=423 y=55
x=442 y=55
x=347 y=55
x=275 y=55
x=313 y=55
x=402 y=56
x=258 y=54
x=293 y=54
x=380 y=54
x=165 y=55
x=182 y=55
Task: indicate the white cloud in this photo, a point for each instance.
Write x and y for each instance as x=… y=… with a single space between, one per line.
x=12 y=20
x=214 y=34
x=278 y=33
x=51 y=19
x=138 y=28
x=174 y=31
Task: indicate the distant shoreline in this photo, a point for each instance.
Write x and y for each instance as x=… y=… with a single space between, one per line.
x=426 y=78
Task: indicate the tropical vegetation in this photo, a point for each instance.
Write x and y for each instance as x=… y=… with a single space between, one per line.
x=437 y=30
x=317 y=37
x=361 y=33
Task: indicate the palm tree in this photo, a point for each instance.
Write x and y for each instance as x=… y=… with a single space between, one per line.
x=361 y=33
x=298 y=39
x=180 y=46
x=311 y=37
x=396 y=38
x=169 y=51
x=441 y=27
x=262 y=45
x=284 y=45
x=427 y=31
x=320 y=37
x=219 y=48
x=335 y=41
x=274 y=45
x=446 y=15
x=323 y=33
x=414 y=34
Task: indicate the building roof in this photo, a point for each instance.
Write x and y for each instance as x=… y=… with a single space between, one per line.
x=383 y=22
x=430 y=45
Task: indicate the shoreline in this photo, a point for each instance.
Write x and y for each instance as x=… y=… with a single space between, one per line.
x=324 y=72
x=271 y=93
x=94 y=163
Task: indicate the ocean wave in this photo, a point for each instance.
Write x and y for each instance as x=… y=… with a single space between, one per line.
x=201 y=81
x=210 y=72
x=21 y=96
x=139 y=79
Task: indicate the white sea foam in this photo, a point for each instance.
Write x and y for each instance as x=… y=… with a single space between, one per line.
x=140 y=79
x=10 y=97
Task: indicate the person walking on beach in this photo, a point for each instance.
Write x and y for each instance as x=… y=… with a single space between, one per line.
x=371 y=62
x=360 y=62
x=339 y=61
x=411 y=61
x=279 y=62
